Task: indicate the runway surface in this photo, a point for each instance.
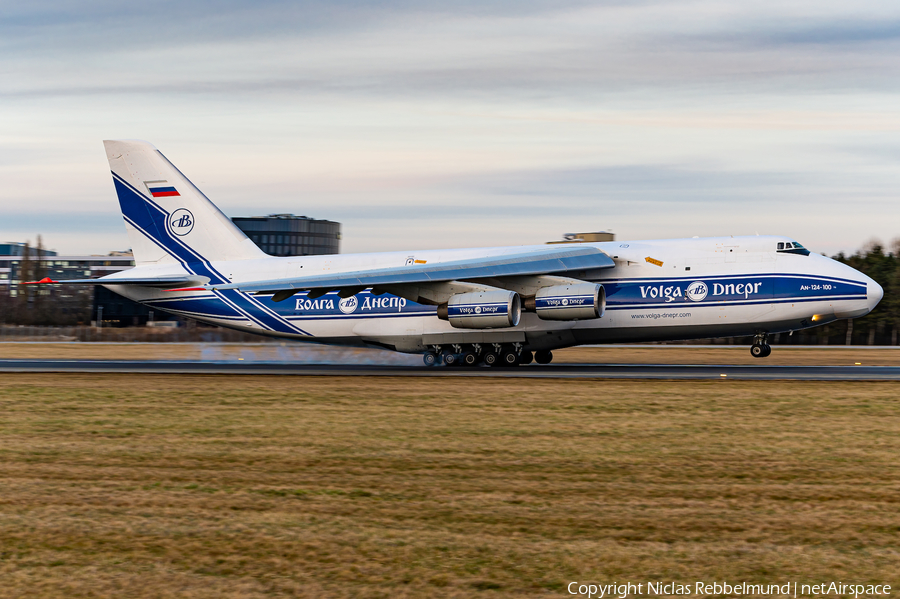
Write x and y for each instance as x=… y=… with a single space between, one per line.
x=562 y=371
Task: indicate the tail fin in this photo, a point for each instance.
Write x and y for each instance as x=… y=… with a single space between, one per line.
x=167 y=217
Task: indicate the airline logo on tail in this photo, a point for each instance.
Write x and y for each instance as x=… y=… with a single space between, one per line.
x=181 y=222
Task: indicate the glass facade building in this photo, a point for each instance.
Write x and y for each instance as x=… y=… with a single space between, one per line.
x=56 y=267
x=12 y=248
x=289 y=235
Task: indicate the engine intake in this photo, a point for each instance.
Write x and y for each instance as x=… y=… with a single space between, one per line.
x=580 y=301
x=482 y=310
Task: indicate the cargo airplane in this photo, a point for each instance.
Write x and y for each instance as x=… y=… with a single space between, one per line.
x=493 y=306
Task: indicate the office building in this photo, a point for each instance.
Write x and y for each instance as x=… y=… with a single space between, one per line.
x=289 y=235
x=587 y=237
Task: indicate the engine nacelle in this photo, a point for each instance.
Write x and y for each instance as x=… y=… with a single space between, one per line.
x=482 y=310
x=579 y=301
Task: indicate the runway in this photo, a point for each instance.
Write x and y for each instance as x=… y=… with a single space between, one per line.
x=560 y=371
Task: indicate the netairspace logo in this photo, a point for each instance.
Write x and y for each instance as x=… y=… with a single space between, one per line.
x=789 y=589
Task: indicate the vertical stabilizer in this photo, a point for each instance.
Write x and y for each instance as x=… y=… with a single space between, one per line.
x=167 y=217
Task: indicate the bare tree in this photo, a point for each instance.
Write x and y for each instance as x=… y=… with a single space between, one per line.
x=23 y=313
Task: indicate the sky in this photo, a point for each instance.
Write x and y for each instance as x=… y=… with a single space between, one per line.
x=422 y=125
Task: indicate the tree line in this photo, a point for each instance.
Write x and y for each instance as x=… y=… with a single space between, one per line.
x=881 y=325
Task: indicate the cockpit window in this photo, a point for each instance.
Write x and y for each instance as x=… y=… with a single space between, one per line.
x=792 y=247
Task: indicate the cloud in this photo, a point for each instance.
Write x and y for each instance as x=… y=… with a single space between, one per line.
x=651 y=117
x=396 y=49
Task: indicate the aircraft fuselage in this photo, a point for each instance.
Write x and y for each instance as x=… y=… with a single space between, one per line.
x=658 y=290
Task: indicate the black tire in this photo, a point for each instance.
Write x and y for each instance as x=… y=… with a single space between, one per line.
x=758 y=351
x=509 y=358
x=543 y=356
x=526 y=357
x=430 y=359
x=490 y=359
x=468 y=359
x=451 y=359
x=768 y=351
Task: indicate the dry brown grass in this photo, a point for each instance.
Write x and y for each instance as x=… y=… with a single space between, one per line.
x=683 y=354
x=110 y=351
x=686 y=354
x=213 y=486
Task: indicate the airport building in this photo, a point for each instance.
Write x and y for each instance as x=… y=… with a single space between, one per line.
x=71 y=303
x=586 y=237
x=12 y=248
x=289 y=235
x=54 y=266
x=277 y=235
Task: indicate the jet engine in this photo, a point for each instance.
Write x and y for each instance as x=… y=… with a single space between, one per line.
x=579 y=301
x=482 y=309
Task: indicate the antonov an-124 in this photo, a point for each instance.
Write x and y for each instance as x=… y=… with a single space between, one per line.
x=501 y=306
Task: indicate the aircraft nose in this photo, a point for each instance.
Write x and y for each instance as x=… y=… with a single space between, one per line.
x=874 y=293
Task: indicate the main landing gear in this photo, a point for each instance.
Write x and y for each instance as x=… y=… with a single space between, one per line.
x=760 y=347
x=487 y=354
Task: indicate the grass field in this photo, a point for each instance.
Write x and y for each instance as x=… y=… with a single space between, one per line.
x=215 y=486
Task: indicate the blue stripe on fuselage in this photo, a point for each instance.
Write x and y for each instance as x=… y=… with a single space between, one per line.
x=730 y=290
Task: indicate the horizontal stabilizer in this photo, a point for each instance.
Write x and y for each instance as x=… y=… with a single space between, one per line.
x=164 y=282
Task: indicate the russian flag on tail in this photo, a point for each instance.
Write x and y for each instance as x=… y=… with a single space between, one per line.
x=161 y=189
x=163 y=192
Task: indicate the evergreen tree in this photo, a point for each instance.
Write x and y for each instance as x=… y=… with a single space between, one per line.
x=880 y=325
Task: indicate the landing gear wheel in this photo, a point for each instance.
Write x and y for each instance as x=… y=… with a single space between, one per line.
x=430 y=359
x=468 y=359
x=490 y=359
x=526 y=357
x=451 y=360
x=543 y=356
x=509 y=357
x=760 y=347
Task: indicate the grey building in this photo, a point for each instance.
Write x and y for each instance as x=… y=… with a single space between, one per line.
x=54 y=266
x=14 y=248
x=587 y=237
x=62 y=304
x=289 y=235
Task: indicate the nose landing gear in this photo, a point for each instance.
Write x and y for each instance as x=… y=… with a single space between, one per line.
x=760 y=347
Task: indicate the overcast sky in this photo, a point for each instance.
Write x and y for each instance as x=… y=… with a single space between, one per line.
x=446 y=124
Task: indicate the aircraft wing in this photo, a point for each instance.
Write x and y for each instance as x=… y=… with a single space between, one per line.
x=569 y=260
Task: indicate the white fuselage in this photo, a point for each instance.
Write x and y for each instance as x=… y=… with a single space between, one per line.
x=658 y=290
